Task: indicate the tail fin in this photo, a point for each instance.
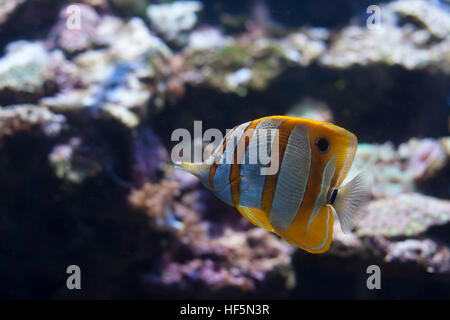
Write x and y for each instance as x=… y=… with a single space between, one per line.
x=351 y=197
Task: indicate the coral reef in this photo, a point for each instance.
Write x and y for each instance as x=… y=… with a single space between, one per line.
x=27 y=69
x=394 y=171
x=21 y=118
x=86 y=117
x=407 y=215
x=249 y=62
x=215 y=263
x=69 y=163
x=401 y=234
x=156 y=200
x=121 y=78
x=174 y=20
x=436 y=21
x=389 y=43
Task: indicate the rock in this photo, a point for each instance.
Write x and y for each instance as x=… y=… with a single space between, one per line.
x=207 y=39
x=382 y=165
x=406 y=215
x=28 y=71
x=395 y=44
x=425 y=157
x=310 y=108
x=70 y=165
x=445 y=143
x=430 y=256
x=73 y=39
x=114 y=80
x=72 y=100
x=101 y=4
x=431 y=15
x=216 y=258
x=174 y=20
x=122 y=114
x=185 y=180
x=395 y=171
x=403 y=235
x=387 y=45
x=83 y=168
x=246 y=63
x=309 y=44
x=7 y=8
x=252 y=264
x=157 y=202
x=22 y=118
x=149 y=156
x=130 y=41
x=239 y=77
x=25 y=68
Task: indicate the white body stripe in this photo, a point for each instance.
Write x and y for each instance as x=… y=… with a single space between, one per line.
x=327 y=176
x=233 y=142
x=292 y=178
x=221 y=182
x=251 y=192
x=221 y=178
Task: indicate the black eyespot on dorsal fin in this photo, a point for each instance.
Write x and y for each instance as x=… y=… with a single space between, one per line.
x=333 y=196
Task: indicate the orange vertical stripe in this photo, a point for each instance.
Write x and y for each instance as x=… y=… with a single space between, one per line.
x=235 y=166
x=284 y=131
x=214 y=166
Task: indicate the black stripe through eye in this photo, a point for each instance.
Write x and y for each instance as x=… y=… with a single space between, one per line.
x=322 y=144
x=333 y=196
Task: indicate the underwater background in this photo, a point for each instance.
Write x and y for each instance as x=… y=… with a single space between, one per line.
x=91 y=91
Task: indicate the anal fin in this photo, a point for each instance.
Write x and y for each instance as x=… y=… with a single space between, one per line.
x=256 y=216
x=317 y=238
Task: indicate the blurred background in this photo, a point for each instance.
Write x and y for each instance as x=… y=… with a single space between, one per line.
x=90 y=93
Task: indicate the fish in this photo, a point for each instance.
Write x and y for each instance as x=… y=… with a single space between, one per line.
x=299 y=199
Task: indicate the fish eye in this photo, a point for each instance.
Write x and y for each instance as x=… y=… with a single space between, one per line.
x=322 y=144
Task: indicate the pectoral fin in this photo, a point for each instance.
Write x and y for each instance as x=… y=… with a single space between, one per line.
x=350 y=198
